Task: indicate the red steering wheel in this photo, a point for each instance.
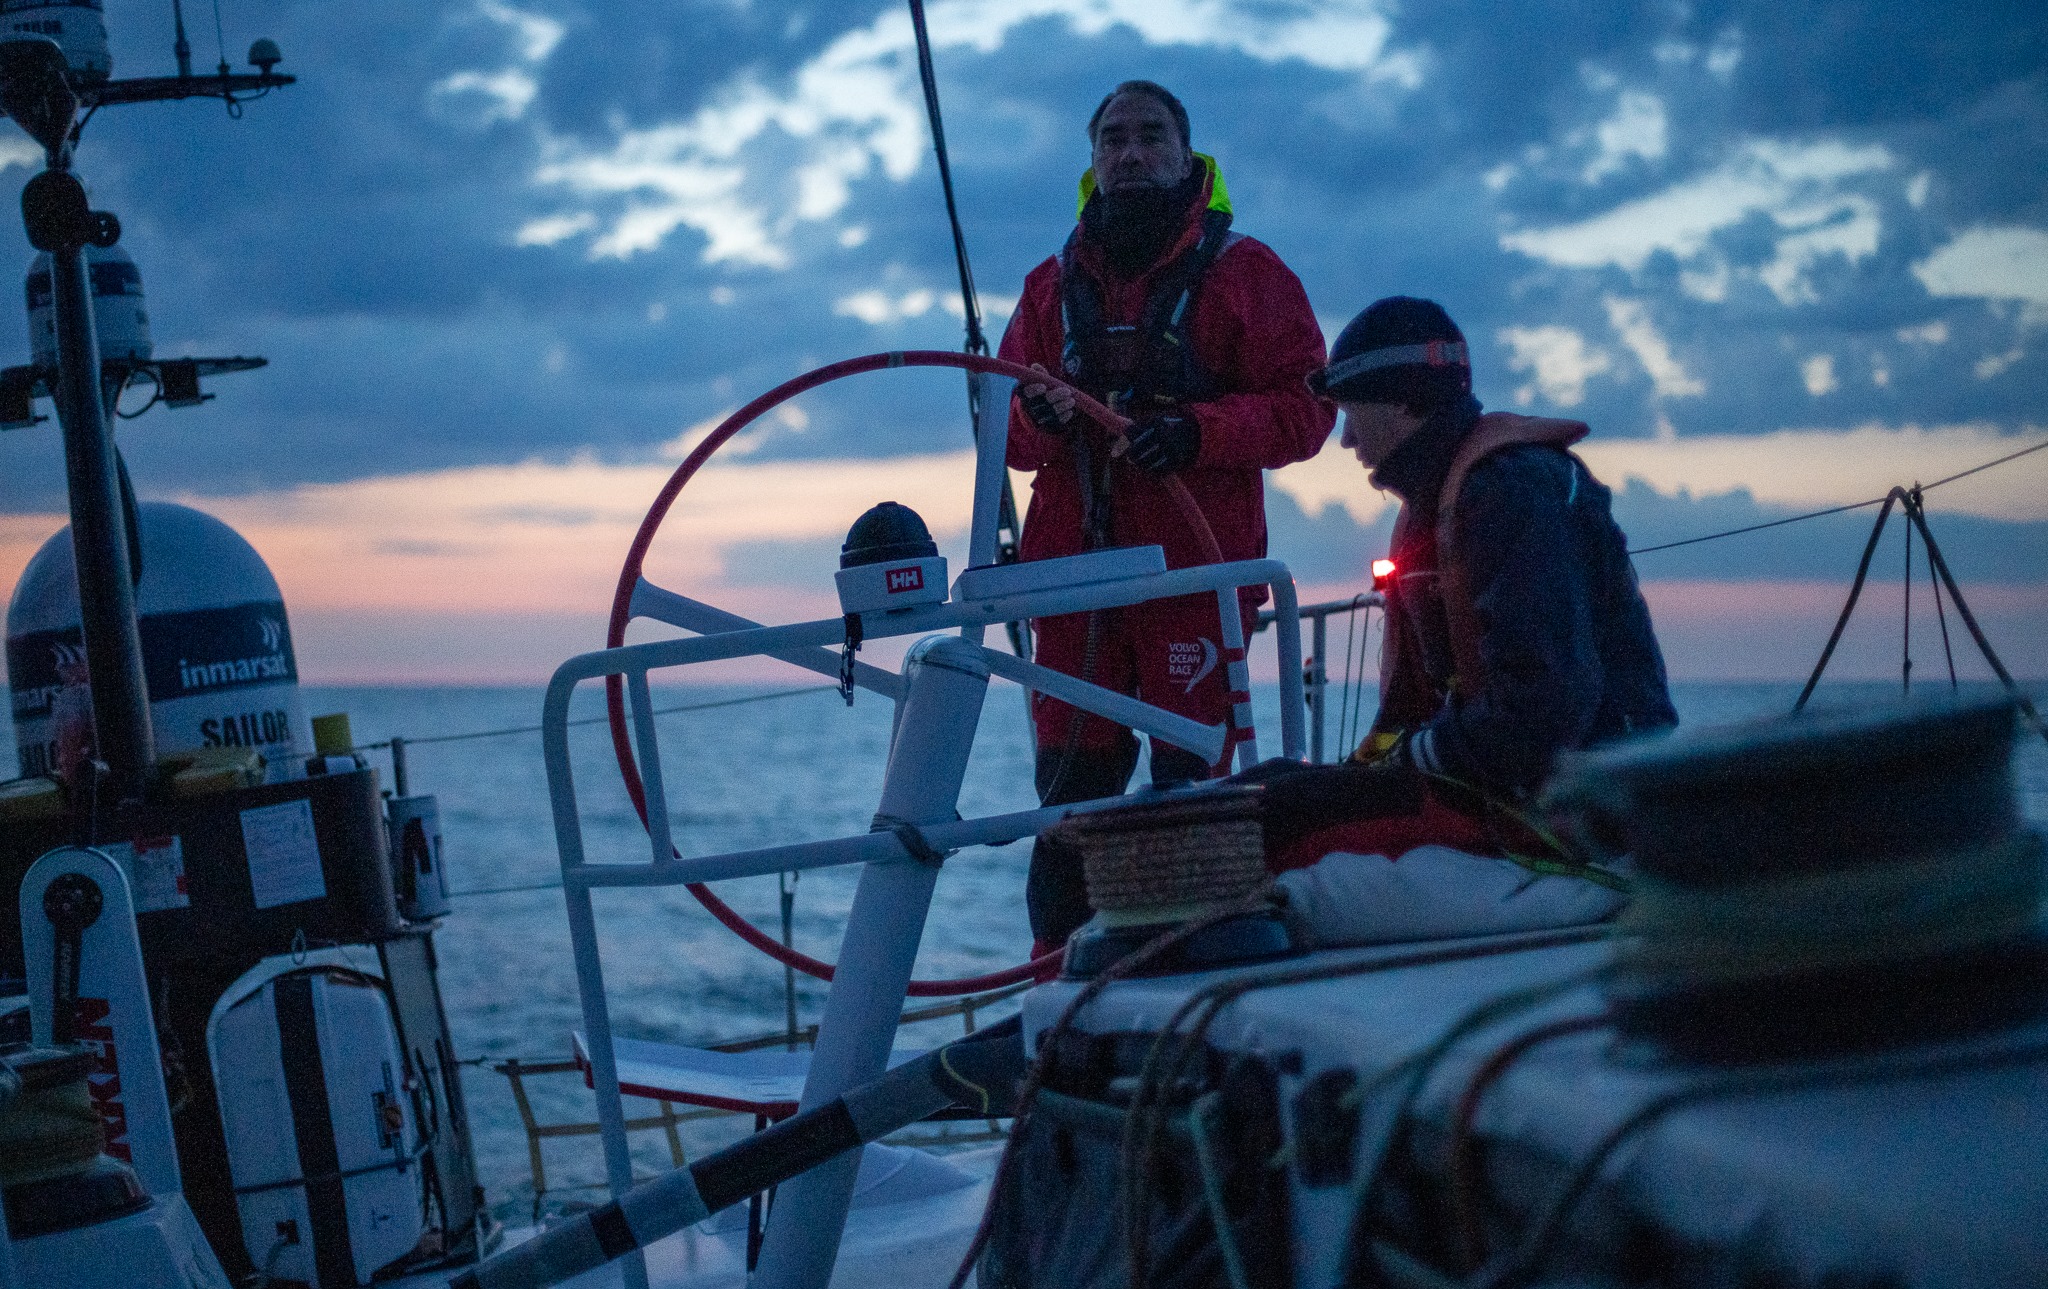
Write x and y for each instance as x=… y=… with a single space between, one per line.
x=629 y=578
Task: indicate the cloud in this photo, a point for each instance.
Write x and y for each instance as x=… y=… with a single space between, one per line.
x=879 y=308
x=1560 y=359
x=1631 y=320
x=1803 y=469
x=549 y=229
x=1992 y=365
x=549 y=537
x=537 y=33
x=19 y=150
x=484 y=97
x=479 y=97
x=855 y=107
x=1636 y=130
x=1332 y=477
x=429 y=303
x=1818 y=373
x=1991 y=264
x=1808 y=469
x=1797 y=186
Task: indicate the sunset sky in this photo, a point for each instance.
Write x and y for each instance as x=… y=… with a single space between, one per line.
x=508 y=257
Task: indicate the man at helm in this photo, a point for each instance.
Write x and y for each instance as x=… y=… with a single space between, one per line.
x=1203 y=338
x=1514 y=627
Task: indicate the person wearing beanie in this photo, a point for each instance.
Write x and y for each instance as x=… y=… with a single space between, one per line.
x=1514 y=627
x=1204 y=339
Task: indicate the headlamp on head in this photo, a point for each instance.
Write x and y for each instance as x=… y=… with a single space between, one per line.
x=1396 y=349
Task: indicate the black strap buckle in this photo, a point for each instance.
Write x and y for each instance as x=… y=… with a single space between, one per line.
x=72 y=903
x=846 y=653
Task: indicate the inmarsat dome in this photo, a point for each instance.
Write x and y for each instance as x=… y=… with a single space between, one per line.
x=216 y=644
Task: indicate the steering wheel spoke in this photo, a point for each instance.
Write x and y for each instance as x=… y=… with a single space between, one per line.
x=651 y=601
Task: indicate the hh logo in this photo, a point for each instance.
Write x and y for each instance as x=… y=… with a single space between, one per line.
x=910 y=578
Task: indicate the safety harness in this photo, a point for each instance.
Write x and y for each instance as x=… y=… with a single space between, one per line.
x=1142 y=367
x=1150 y=364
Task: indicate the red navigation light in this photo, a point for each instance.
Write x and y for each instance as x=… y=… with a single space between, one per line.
x=1382 y=573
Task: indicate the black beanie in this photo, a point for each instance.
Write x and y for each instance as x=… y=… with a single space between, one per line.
x=1400 y=350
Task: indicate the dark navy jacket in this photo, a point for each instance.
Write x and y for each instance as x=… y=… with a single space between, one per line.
x=1515 y=629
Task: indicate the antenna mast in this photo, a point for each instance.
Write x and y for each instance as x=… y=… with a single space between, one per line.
x=181 y=47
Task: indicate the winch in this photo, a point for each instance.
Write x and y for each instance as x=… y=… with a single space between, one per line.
x=1822 y=883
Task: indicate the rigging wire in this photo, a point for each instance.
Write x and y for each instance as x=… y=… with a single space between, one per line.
x=1837 y=510
x=1019 y=633
x=1344 y=694
x=977 y=343
x=1358 y=692
x=1916 y=516
x=1941 y=615
x=1906 y=627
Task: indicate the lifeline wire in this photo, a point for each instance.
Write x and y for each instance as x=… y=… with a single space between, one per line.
x=598 y=720
x=1836 y=510
x=1344 y=695
x=1364 y=648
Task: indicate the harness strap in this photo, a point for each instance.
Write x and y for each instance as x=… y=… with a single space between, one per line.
x=1160 y=335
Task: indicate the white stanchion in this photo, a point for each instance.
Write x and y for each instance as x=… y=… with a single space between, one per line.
x=947 y=680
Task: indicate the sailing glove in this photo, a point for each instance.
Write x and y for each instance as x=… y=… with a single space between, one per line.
x=1043 y=414
x=1164 y=445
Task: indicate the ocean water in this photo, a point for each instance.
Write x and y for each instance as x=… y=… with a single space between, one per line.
x=798 y=766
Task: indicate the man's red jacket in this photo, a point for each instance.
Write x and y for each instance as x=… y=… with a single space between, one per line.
x=1257 y=339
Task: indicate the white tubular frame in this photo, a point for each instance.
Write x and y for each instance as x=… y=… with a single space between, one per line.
x=809 y=645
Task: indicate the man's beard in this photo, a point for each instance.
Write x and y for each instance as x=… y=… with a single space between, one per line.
x=1135 y=225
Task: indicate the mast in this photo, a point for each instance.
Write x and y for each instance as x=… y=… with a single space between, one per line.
x=36 y=91
x=44 y=86
x=99 y=535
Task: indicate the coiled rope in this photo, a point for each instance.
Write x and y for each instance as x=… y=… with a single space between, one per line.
x=1833 y=919
x=1034 y=1081
x=1173 y=1049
